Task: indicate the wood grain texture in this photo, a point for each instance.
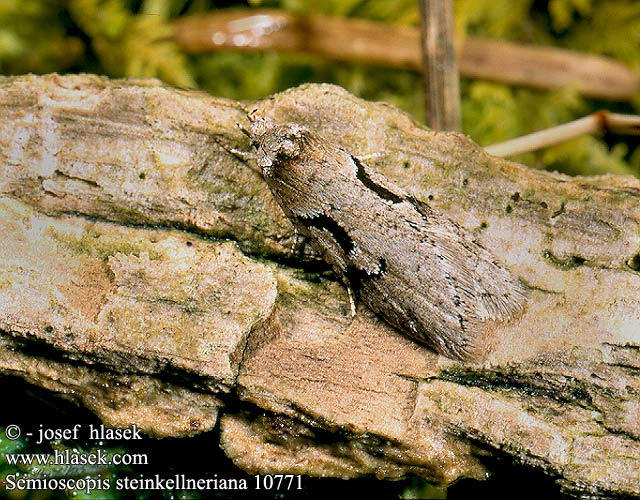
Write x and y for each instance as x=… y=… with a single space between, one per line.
x=439 y=65
x=127 y=285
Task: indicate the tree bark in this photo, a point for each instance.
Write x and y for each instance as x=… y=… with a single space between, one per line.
x=147 y=272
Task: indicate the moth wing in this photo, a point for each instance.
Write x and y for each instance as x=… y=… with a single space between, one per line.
x=452 y=295
x=500 y=295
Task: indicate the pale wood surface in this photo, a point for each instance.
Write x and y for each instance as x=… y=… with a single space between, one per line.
x=153 y=273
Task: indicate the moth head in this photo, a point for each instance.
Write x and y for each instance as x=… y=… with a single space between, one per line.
x=275 y=143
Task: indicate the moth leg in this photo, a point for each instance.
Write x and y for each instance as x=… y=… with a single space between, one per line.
x=352 y=301
x=370 y=156
x=244 y=156
x=299 y=243
x=247 y=157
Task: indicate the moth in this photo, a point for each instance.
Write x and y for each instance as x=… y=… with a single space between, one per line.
x=416 y=268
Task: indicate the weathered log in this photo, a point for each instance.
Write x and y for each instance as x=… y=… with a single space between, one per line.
x=119 y=287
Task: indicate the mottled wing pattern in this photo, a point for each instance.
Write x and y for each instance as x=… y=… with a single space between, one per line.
x=419 y=270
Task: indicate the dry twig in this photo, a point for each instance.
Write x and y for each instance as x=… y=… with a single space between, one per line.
x=595 y=123
x=441 y=86
x=356 y=40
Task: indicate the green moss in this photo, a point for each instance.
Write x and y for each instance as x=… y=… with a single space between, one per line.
x=617 y=25
x=490 y=112
x=494 y=18
x=588 y=156
x=26 y=47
